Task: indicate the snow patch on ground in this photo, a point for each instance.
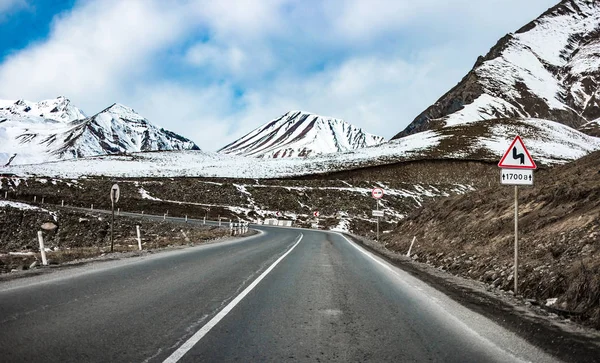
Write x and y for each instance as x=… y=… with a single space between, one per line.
x=145 y=195
x=19 y=205
x=343 y=226
x=203 y=164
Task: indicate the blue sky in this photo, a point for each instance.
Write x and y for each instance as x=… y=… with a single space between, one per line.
x=215 y=70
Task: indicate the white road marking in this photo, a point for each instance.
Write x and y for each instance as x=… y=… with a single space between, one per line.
x=438 y=303
x=189 y=344
x=369 y=255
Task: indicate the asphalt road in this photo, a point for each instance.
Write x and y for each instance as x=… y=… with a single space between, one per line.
x=282 y=295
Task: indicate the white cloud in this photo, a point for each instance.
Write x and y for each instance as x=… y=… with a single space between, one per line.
x=196 y=113
x=92 y=52
x=240 y=19
x=381 y=95
x=375 y=63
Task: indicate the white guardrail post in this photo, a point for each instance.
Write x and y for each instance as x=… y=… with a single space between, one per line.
x=139 y=237
x=42 y=249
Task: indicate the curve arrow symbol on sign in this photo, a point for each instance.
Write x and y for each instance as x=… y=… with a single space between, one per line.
x=518 y=156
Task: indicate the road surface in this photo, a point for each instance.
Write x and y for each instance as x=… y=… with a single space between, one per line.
x=282 y=295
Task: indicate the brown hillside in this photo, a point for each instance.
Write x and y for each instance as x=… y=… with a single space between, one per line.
x=472 y=235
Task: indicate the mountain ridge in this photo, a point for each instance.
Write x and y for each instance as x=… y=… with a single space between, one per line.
x=548 y=69
x=52 y=130
x=301 y=134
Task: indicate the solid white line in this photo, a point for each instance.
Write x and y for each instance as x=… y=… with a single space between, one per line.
x=189 y=344
x=435 y=300
x=368 y=254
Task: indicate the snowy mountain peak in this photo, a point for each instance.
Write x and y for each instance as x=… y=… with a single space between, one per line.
x=123 y=112
x=54 y=129
x=549 y=69
x=301 y=134
x=59 y=109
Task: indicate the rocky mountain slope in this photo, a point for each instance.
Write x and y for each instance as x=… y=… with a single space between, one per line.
x=53 y=130
x=472 y=235
x=301 y=134
x=549 y=69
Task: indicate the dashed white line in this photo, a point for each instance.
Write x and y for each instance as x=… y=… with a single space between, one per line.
x=189 y=344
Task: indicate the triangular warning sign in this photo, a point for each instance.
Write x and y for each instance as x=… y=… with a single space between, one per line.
x=517 y=156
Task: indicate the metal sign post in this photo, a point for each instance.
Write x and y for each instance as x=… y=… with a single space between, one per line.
x=377 y=193
x=518 y=166
x=114 y=198
x=516 y=272
x=377 y=209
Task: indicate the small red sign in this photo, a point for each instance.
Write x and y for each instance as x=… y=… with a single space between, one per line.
x=377 y=193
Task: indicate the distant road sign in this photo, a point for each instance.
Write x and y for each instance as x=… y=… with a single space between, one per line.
x=378 y=213
x=377 y=193
x=115 y=193
x=517 y=156
x=316 y=213
x=516 y=176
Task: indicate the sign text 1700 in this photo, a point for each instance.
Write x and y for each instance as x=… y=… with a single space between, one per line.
x=516 y=177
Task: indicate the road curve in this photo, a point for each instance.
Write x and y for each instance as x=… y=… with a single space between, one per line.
x=281 y=295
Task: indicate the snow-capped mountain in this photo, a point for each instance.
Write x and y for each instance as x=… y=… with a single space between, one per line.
x=53 y=130
x=117 y=129
x=555 y=144
x=549 y=69
x=58 y=109
x=301 y=134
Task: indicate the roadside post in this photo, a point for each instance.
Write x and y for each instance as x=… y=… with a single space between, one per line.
x=42 y=248
x=411 y=246
x=139 y=237
x=377 y=194
x=517 y=168
x=115 y=193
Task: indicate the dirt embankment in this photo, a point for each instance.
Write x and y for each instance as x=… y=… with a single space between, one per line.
x=337 y=196
x=472 y=236
x=80 y=235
